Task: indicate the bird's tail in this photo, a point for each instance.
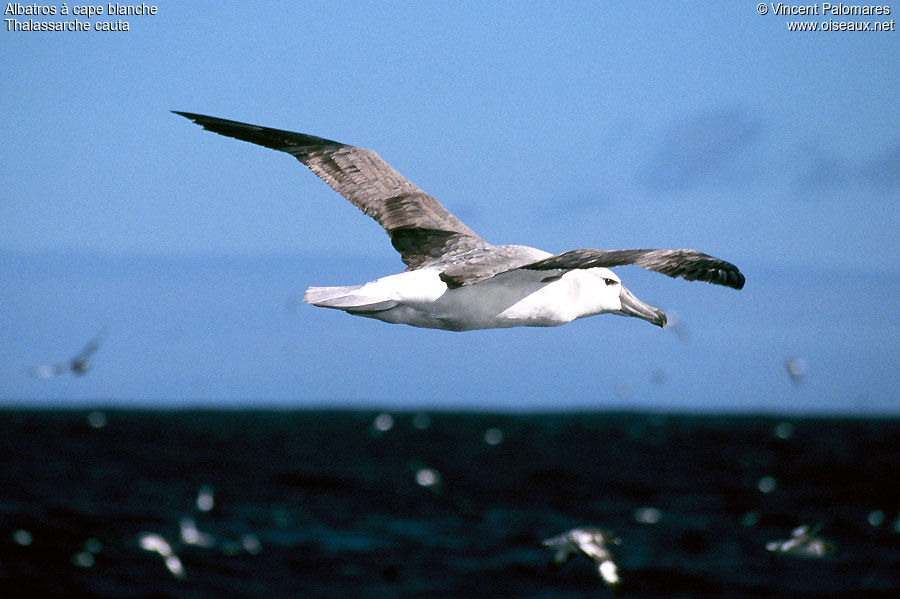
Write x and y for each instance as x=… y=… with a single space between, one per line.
x=350 y=298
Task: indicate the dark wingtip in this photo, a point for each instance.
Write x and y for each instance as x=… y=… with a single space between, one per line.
x=276 y=139
x=202 y=119
x=736 y=280
x=727 y=277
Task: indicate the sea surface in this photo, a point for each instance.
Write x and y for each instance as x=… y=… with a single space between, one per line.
x=119 y=504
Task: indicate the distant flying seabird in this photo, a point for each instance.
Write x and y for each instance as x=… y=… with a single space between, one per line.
x=796 y=369
x=79 y=365
x=454 y=279
x=804 y=543
x=591 y=542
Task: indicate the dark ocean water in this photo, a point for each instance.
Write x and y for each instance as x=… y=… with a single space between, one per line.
x=347 y=504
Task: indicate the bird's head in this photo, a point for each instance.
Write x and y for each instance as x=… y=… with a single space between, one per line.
x=615 y=298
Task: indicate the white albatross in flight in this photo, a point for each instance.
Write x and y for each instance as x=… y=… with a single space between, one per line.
x=454 y=279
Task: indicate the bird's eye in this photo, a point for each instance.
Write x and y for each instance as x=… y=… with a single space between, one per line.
x=609 y=281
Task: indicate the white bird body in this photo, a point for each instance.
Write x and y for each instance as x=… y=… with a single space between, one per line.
x=515 y=298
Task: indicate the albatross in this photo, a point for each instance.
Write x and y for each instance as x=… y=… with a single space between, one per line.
x=455 y=280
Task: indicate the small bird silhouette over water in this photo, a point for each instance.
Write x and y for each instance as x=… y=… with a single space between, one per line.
x=79 y=365
x=455 y=280
x=591 y=542
x=803 y=543
x=796 y=369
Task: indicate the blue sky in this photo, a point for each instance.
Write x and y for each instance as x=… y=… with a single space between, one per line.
x=581 y=125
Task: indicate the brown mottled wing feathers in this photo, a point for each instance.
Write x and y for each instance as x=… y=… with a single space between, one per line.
x=483 y=264
x=424 y=232
x=420 y=228
x=687 y=264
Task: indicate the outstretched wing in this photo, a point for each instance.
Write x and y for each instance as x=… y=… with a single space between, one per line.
x=421 y=230
x=92 y=346
x=687 y=264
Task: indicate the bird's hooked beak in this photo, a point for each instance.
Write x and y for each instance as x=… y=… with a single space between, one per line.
x=632 y=306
